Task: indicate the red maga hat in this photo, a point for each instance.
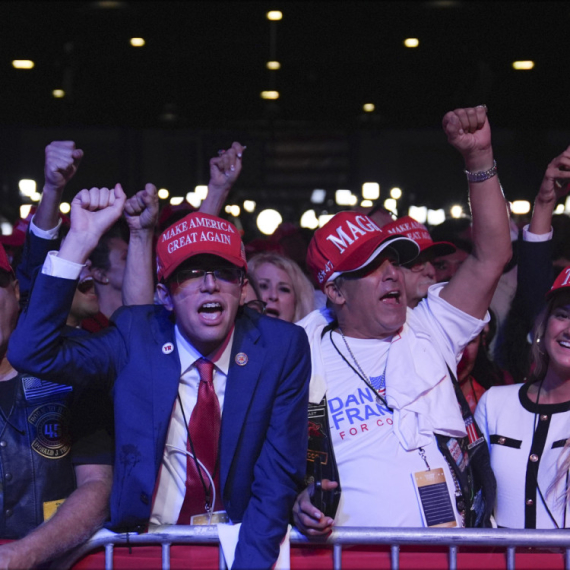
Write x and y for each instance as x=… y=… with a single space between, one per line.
x=411 y=228
x=4 y=263
x=198 y=234
x=561 y=282
x=348 y=242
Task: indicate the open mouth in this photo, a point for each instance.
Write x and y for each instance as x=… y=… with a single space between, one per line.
x=86 y=285
x=272 y=312
x=210 y=311
x=391 y=298
x=564 y=343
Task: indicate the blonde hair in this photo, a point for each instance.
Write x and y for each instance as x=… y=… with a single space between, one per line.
x=302 y=287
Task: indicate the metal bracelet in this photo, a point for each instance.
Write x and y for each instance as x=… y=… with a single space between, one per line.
x=482 y=175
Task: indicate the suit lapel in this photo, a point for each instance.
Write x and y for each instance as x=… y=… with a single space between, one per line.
x=165 y=374
x=240 y=387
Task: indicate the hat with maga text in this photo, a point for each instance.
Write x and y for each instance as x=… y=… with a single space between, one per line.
x=561 y=282
x=4 y=263
x=411 y=228
x=348 y=242
x=198 y=234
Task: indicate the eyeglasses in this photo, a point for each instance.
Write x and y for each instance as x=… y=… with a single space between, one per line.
x=193 y=277
x=257 y=305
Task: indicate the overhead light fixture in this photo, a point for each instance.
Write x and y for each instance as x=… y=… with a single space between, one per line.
x=309 y=220
x=235 y=210
x=176 y=200
x=273 y=65
x=268 y=221
x=324 y=218
x=419 y=213
x=193 y=199
x=270 y=94
x=137 y=42
x=456 y=211
x=368 y=107
x=391 y=205
x=343 y=197
x=318 y=196
x=35 y=197
x=523 y=65
x=366 y=203
x=371 y=190
x=64 y=208
x=25 y=210
x=58 y=93
x=27 y=186
x=411 y=42
x=23 y=64
x=520 y=207
x=435 y=217
x=163 y=193
x=249 y=206
x=274 y=15
x=559 y=209
x=396 y=193
x=202 y=191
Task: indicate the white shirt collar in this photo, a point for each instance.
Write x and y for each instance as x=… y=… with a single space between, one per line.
x=188 y=353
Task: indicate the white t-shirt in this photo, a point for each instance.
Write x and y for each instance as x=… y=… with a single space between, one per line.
x=376 y=472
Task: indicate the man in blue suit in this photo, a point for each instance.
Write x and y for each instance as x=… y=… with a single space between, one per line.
x=173 y=369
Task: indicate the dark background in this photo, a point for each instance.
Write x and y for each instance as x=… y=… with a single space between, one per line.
x=161 y=111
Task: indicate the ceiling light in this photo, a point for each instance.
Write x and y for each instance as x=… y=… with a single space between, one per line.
x=324 y=218
x=273 y=65
x=235 y=210
x=270 y=94
x=435 y=217
x=58 y=93
x=64 y=208
x=343 y=197
x=396 y=193
x=520 y=207
x=523 y=65
x=419 y=213
x=391 y=205
x=268 y=221
x=163 y=193
x=27 y=187
x=193 y=199
x=176 y=200
x=367 y=203
x=318 y=196
x=23 y=64
x=137 y=42
x=559 y=209
x=35 y=197
x=249 y=206
x=6 y=228
x=309 y=220
x=456 y=211
x=371 y=190
x=411 y=42
x=25 y=210
x=202 y=191
x=274 y=15
x=368 y=107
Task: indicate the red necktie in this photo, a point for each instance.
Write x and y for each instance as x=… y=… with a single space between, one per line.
x=204 y=433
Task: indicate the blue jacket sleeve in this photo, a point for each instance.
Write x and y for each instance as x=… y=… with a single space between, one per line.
x=39 y=345
x=280 y=469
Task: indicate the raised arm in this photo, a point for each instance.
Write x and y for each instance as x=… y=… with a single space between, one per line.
x=471 y=288
x=224 y=171
x=555 y=185
x=141 y=213
x=61 y=163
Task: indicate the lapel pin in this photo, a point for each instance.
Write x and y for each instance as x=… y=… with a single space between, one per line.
x=241 y=359
x=167 y=348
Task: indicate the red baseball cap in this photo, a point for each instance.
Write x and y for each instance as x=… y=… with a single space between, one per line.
x=4 y=263
x=348 y=242
x=411 y=228
x=561 y=282
x=198 y=234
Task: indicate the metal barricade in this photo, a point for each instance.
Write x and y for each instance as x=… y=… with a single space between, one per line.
x=508 y=539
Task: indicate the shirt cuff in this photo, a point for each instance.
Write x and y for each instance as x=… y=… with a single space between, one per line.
x=45 y=234
x=57 y=267
x=529 y=236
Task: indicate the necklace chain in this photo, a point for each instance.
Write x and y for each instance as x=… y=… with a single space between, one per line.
x=351 y=353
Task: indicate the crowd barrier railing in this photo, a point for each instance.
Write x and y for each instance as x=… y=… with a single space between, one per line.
x=507 y=539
